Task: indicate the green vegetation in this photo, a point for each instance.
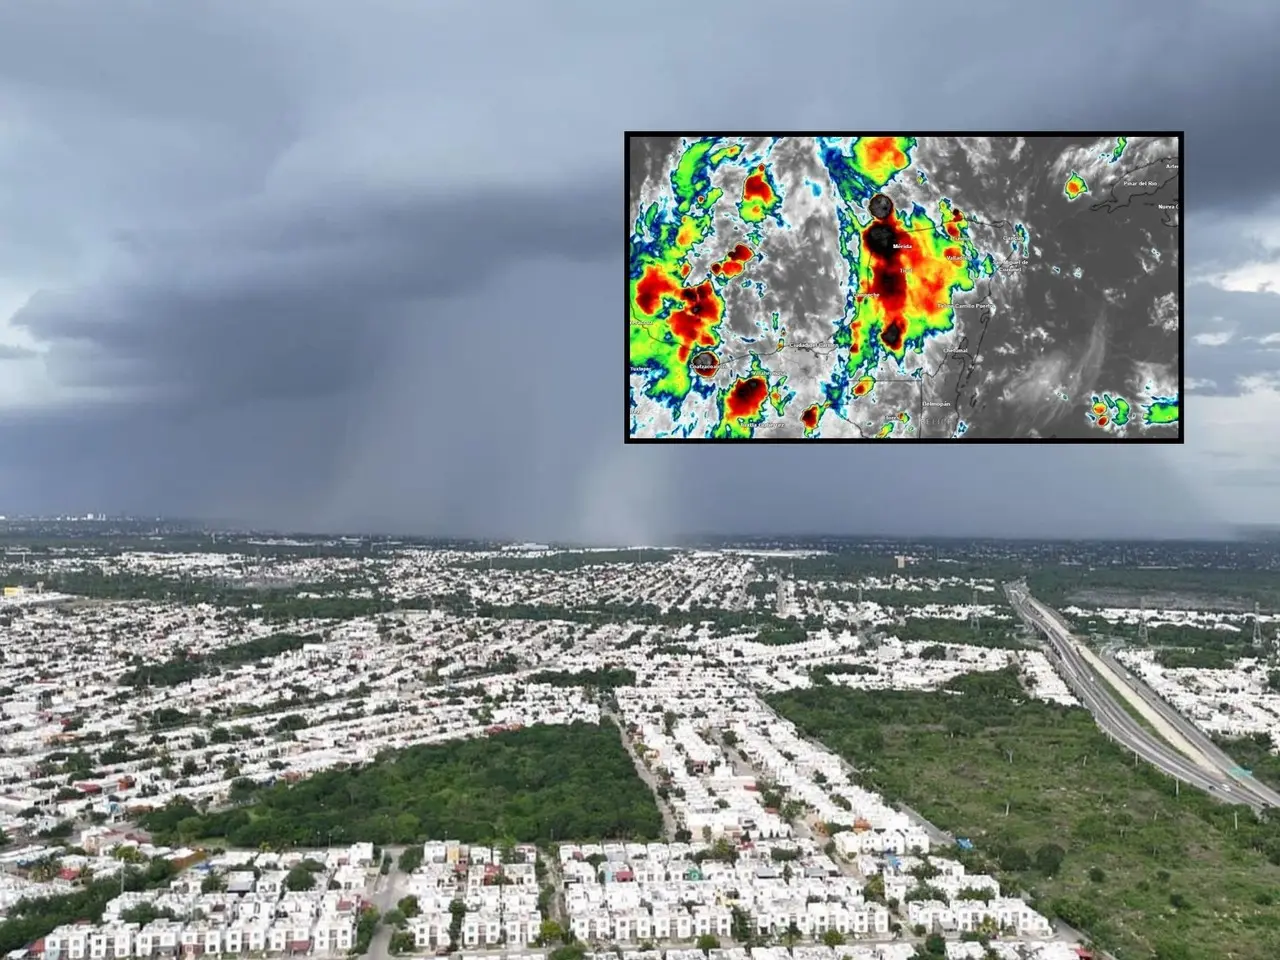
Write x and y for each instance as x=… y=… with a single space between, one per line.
x=186 y=666
x=947 y=594
x=778 y=636
x=275 y=605
x=1057 y=810
x=540 y=783
x=720 y=620
x=1211 y=587
x=575 y=560
x=935 y=630
x=1254 y=754
x=935 y=560
x=606 y=678
x=823 y=672
x=32 y=918
x=1200 y=648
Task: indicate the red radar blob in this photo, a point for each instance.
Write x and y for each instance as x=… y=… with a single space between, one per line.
x=652 y=287
x=705 y=364
x=810 y=417
x=694 y=325
x=746 y=398
x=893 y=256
x=757 y=188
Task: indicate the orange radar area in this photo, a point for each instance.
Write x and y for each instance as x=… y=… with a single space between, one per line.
x=758 y=196
x=732 y=265
x=907 y=273
x=879 y=158
x=742 y=406
x=696 y=313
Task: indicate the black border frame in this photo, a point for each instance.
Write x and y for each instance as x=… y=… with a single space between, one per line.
x=627 y=222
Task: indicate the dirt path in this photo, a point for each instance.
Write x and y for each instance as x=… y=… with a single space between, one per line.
x=668 y=815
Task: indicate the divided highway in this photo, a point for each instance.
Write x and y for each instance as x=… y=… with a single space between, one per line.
x=1180 y=751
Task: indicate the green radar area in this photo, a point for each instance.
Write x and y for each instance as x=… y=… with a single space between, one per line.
x=1116 y=152
x=1075 y=187
x=1108 y=411
x=1162 y=410
x=905 y=257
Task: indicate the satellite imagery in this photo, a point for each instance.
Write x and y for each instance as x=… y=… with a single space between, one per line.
x=994 y=288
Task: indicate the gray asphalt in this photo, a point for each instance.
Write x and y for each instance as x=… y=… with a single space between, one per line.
x=1198 y=738
x=1115 y=721
x=386 y=893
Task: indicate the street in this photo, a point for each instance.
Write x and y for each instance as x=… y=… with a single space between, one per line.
x=387 y=891
x=668 y=817
x=1081 y=669
x=1193 y=734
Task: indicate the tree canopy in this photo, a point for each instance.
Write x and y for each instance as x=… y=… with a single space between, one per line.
x=545 y=783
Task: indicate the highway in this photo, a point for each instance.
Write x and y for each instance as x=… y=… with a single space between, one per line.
x=1211 y=771
x=1201 y=740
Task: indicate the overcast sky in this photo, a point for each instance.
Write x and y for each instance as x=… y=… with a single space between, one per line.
x=324 y=265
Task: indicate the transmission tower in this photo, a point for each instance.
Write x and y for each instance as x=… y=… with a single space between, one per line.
x=975 y=621
x=1257 y=626
x=1143 y=639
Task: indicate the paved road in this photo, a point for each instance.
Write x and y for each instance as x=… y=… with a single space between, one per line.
x=1113 y=718
x=1197 y=737
x=387 y=891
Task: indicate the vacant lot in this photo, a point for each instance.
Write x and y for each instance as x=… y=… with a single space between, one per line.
x=1147 y=873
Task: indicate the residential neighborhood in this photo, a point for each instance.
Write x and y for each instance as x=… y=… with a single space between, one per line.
x=114 y=709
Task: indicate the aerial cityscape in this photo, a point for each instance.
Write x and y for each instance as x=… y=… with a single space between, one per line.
x=221 y=742
x=340 y=620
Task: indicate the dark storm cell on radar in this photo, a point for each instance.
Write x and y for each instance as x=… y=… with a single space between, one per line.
x=880 y=239
x=705 y=364
x=880 y=206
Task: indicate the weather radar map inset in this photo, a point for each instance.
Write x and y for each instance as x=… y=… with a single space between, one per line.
x=986 y=287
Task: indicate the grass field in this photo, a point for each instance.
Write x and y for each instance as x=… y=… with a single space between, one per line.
x=1147 y=874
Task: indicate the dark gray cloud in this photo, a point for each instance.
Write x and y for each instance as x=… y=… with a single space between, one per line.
x=283 y=266
x=304 y=302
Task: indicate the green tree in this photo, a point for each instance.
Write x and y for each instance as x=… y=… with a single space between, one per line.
x=402 y=941
x=411 y=858
x=791 y=936
x=549 y=932
x=213 y=883
x=708 y=942
x=299 y=878
x=1048 y=859
x=833 y=938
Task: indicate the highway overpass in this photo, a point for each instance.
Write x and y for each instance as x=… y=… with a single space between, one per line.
x=1171 y=743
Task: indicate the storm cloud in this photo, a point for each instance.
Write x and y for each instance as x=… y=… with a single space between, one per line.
x=279 y=263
